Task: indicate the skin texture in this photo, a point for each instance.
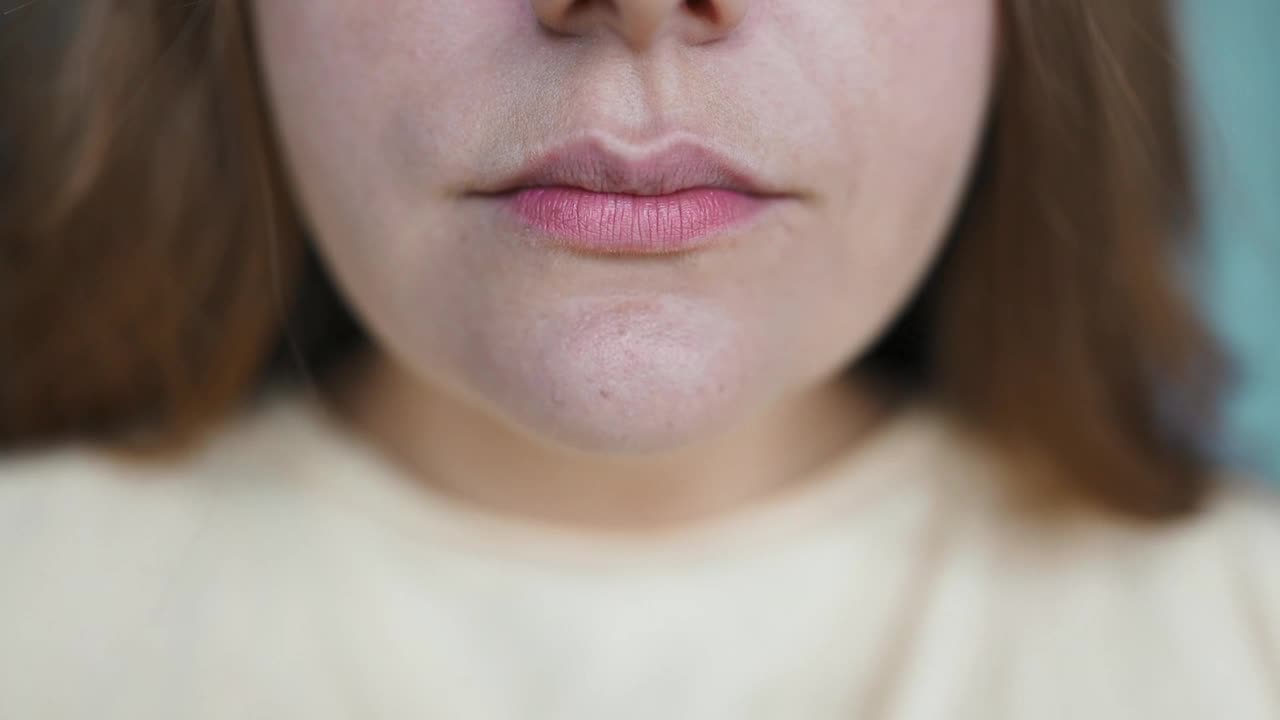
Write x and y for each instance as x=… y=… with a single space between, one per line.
x=678 y=383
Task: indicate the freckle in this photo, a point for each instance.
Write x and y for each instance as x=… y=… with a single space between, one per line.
x=604 y=393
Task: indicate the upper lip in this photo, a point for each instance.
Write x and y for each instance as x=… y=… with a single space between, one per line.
x=591 y=165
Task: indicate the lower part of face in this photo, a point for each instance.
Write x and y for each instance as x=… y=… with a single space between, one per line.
x=397 y=116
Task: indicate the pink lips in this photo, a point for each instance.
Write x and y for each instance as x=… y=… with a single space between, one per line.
x=635 y=224
x=585 y=198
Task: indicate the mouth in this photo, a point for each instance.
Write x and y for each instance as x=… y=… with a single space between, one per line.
x=587 y=198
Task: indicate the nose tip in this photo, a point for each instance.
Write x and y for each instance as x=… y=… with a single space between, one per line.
x=641 y=22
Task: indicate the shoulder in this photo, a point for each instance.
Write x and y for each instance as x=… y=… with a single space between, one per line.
x=77 y=512
x=79 y=521
x=1181 y=618
x=1236 y=529
x=1227 y=544
x=1219 y=559
x=76 y=492
x=80 y=496
x=1216 y=568
x=1219 y=567
x=108 y=562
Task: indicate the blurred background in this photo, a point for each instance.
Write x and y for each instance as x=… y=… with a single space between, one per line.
x=1236 y=86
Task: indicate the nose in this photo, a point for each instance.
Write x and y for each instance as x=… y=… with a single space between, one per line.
x=640 y=22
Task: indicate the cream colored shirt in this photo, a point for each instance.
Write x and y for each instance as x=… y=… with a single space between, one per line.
x=285 y=571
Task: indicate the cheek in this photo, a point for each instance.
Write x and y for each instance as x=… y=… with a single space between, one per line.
x=910 y=114
x=374 y=99
x=904 y=112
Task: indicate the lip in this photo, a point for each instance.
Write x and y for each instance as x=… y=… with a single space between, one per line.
x=585 y=197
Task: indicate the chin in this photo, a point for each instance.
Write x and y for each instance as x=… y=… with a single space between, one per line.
x=631 y=378
x=649 y=417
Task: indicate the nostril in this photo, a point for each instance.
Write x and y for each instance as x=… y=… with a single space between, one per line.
x=578 y=7
x=638 y=22
x=705 y=9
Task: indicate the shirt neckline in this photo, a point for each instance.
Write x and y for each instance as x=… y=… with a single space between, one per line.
x=332 y=460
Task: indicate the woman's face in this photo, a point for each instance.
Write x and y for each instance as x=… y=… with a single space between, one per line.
x=623 y=225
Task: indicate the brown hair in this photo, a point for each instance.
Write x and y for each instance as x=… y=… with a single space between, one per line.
x=150 y=254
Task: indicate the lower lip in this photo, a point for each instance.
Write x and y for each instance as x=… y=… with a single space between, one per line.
x=616 y=223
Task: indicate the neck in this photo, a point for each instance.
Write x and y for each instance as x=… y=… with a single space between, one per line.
x=464 y=451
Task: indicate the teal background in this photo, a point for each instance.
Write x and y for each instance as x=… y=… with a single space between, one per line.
x=1234 y=47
